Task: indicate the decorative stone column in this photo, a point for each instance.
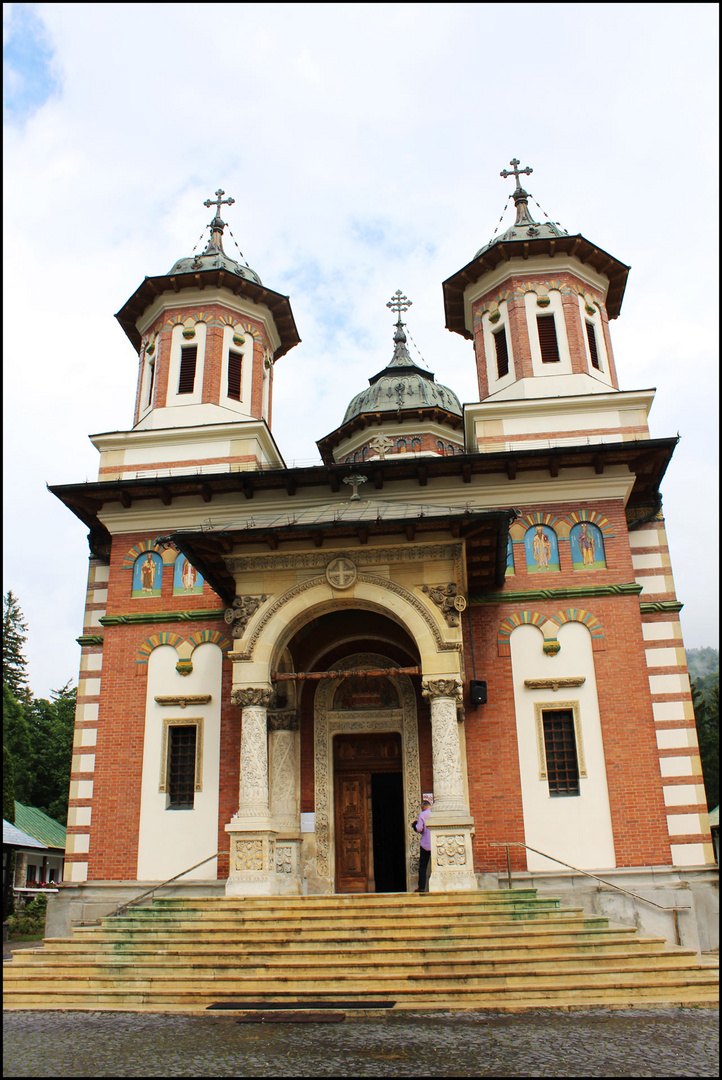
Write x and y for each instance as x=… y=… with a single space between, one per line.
x=450 y=823
x=285 y=798
x=252 y=866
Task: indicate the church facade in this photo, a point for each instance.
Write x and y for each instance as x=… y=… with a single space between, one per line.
x=474 y=602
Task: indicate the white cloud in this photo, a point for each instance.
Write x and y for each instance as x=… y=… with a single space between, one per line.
x=363 y=145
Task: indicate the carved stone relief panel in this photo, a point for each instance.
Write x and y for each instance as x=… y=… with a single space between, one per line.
x=329 y=722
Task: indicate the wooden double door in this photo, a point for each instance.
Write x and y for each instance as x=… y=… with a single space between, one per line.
x=369 y=813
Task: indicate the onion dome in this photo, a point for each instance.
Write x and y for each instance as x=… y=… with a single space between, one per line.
x=402 y=385
x=214 y=257
x=420 y=417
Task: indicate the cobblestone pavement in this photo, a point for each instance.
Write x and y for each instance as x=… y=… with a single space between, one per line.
x=589 y=1042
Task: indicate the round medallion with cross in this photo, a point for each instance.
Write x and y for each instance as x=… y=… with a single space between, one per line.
x=341 y=573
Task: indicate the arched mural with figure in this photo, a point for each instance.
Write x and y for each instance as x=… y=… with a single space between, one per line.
x=186 y=579
x=542 y=549
x=147 y=574
x=587 y=547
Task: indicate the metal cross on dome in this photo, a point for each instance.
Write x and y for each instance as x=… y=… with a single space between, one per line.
x=399 y=303
x=219 y=201
x=516 y=173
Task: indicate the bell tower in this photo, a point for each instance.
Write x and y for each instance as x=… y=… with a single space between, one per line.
x=537 y=303
x=208 y=334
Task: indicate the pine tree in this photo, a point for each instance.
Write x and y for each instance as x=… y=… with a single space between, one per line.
x=706 y=712
x=51 y=725
x=16 y=740
x=14 y=637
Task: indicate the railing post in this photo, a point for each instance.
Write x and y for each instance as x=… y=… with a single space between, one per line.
x=508 y=865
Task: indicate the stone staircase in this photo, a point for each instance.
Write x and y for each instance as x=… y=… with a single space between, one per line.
x=505 y=949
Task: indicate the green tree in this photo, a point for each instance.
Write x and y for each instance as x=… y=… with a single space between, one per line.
x=706 y=713
x=8 y=787
x=16 y=739
x=51 y=726
x=14 y=637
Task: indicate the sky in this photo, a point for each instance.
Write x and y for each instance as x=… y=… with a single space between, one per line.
x=363 y=145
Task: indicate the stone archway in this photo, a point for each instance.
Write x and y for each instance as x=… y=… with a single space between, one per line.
x=329 y=722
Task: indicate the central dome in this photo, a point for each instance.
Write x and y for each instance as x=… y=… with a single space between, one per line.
x=402 y=385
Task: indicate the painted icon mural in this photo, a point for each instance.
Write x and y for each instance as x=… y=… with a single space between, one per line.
x=509 y=557
x=542 y=549
x=147 y=574
x=186 y=579
x=587 y=547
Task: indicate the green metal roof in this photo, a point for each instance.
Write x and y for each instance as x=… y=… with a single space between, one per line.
x=714 y=817
x=35 y=823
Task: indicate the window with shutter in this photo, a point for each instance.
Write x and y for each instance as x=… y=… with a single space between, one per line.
x=502 y=352
x=561 y=752
x=151 y=377
x=592 y=339
x=548 y=339
x=187 y=369
x=234 y=375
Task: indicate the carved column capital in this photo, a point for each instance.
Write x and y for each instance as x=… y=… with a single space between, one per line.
x=286 y=720
x=442 y=688
x=251 y=696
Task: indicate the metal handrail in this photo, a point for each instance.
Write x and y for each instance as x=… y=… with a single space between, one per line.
x=627 y=892
x=150 y=892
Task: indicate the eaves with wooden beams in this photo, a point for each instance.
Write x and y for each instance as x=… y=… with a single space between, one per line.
x=484 y=530
x=217 y=278
x=505 y=250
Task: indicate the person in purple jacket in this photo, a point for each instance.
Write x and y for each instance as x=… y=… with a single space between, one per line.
x=424 y=844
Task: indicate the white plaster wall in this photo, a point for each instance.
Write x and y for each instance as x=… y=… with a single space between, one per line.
x=172 y=840
x=602 y=372
x=564 y=364
x=489 y=329
x=177 y=343
x=242 y=407
x=576 y=829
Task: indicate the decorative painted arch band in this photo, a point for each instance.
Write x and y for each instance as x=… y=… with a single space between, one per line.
x=561 y=525
x=519 y=528
x=510 y=623
x=547 y=285
x=139 y=549
x=547 y=624
x=167 y=637
x=603 y=524
x=591 y=622
x=200 y=637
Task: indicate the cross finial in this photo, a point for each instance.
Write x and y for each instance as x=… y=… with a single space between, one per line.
x=399 y=303
x=218 y=201
x=516 y=173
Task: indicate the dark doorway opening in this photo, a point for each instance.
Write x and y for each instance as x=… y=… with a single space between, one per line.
x=369 y=813
x=387 y=808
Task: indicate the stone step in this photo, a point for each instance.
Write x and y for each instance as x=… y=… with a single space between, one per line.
x=610 y=998
x=348 y=924
x=200 y=992
x=136 y=968
x=526 y=945
x=421 y=952
x=358 y=901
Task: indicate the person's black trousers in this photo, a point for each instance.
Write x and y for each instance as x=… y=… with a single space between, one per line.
x=424 y=857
